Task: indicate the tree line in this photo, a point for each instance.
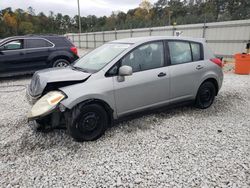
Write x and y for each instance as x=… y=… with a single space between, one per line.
x=162 y=13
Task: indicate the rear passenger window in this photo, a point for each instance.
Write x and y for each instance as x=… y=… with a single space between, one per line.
x=196 y=50
x=180 y=52
x=37 y=43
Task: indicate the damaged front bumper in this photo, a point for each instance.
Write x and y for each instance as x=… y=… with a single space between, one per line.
x=31 y=99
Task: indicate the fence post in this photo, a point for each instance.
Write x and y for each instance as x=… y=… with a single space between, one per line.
x=87 y=41
x=79 y=40
x=94 y=40
x=73 y=39
x=115 y=34
x=204 y=31
x=174 y=31
x=103 y=37
x=131 y=33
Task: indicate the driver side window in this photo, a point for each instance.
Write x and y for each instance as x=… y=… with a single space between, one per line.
x=145 y=57
x=13 y=45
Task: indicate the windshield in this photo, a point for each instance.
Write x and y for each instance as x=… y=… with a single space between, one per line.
x=98 y=58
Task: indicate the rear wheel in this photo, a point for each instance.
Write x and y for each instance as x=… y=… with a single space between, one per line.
x=87 y=122
x=61 y=63
x=205 y=96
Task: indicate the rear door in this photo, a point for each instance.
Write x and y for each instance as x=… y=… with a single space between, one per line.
x=148 y=86
x=37 y=53
x=186 y=68
x=12 y=56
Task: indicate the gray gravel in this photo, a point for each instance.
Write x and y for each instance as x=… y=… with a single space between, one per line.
x=183 y=147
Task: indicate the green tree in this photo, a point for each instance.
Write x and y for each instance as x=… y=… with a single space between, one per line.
x=238 y=9
x=10 y=21
x=26 y=28
x=20 y=22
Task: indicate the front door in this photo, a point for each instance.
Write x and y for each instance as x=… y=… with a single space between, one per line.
x=148 y=86
x=12 y=56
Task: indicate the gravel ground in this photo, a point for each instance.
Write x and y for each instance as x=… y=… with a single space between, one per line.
x=183 y=147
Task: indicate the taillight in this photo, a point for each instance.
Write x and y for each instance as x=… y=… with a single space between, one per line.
x=74 y=50
x=217 y=61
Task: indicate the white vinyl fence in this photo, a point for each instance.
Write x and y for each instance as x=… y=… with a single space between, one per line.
x=224 y=38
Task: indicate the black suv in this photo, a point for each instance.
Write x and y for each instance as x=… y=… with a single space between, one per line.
x=27 y=54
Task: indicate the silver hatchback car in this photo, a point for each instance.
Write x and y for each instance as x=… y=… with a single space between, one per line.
x=123 y=77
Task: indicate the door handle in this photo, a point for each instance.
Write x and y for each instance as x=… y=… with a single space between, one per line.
x=162 y=74
x=199 y=67
x=22 y=53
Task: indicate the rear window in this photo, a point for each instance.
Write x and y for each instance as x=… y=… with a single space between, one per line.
x=38 y=43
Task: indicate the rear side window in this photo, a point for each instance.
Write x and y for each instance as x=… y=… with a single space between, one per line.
x=180 y=52
x=61 y=41
x=196 y=50
x=37 y=43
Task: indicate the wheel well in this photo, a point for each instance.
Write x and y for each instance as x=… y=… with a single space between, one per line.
x=214 y=81
x=60 y=57
x=103 y=104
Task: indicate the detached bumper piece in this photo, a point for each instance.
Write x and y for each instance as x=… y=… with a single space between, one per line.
x=53 y=121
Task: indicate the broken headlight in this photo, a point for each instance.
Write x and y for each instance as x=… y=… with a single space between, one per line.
x=46 y=104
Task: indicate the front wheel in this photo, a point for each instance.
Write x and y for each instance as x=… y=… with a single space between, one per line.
x=87 y=122
x=205 y=96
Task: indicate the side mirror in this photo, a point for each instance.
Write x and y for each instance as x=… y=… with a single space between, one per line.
x=125 y=70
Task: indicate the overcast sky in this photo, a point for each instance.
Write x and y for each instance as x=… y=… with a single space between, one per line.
x=88 y=7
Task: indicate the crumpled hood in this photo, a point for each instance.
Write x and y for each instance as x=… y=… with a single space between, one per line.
x=55 y=76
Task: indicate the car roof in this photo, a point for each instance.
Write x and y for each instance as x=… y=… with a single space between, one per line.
x=154 y=38
x=31 y=36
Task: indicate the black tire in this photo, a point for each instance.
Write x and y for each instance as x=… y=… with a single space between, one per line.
x=61 y=63
x=87 y=122
x=205 y=96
